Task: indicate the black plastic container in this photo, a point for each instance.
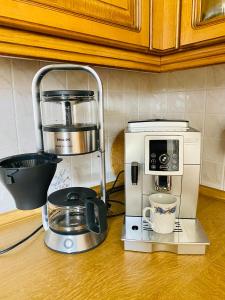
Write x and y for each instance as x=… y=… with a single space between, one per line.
x=27 y=177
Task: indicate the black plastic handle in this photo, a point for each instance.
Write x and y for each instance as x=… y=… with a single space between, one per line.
x=134 y=173
x=100 y=225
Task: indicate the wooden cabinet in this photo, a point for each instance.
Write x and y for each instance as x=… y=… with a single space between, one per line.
x=148 y=35
x=121 y=23
x=165 y=20
x=202 y=22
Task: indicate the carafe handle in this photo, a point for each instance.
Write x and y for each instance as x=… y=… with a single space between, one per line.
x=92 y=224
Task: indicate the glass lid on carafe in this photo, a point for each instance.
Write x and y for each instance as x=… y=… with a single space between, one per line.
x=67 y=212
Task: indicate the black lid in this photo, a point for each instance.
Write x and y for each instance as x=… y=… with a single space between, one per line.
x=28 y=160
x=68 y=93
x=70 y=128
x=71 y=196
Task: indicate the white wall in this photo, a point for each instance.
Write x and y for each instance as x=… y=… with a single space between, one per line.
x=197 y=95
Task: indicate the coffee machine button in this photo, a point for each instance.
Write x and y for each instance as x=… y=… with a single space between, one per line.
x=153 y=161
x=174 y=156
x=164 y=158
x=68 y=243
x=153 y=167
x=153 y=155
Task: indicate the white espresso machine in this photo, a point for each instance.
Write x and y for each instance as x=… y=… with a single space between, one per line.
x=162 y=156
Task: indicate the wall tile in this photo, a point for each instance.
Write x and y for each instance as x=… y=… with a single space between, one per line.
x=213 y=150
x=176 y=102
x=195 y=101
x=23 y=73
x=81 y=170
x=131 y=106
x=115 y=80
x=144 y=84
x=195 y=78
x=76 y=80
x=8 y=132
x=6 y=200
x=5 y=73
x=196 y=120
x=211 y=174
x=159 y=82
x=215 y=126
x=215 y=101
x=54 y=80
x=215 y=76
x=145 y=107
x=95 y=169
x=158 y=103
x=176 y=81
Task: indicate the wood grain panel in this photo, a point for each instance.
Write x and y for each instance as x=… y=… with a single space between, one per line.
x=89 y=20
x=193 y=31
x=27 y=44
x=165 y=21
x=121 y=13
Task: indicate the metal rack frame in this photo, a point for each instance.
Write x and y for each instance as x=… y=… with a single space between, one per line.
x=36 y=98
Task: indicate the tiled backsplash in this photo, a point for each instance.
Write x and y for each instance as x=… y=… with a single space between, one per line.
x=197 y=95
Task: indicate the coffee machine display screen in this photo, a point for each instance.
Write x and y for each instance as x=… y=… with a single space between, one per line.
x=164 y=155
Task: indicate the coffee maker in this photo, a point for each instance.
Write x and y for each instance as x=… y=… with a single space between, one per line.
x=162 y=156
x=67 y=123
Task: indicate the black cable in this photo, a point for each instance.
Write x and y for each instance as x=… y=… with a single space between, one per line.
x=113 y=190
x=21 y=241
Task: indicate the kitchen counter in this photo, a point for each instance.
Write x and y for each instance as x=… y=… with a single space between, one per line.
x=32 y=271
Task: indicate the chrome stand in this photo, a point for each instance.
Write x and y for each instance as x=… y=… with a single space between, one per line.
x=53 y=240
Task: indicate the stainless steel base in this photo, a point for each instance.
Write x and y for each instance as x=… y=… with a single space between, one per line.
x=73 y=243
x=70 y=143
x=188 y=237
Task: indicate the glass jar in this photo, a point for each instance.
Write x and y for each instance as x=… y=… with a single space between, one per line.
x=67 y=210
x=69 y=122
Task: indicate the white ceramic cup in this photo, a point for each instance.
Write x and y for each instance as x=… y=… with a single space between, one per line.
x=162 y=212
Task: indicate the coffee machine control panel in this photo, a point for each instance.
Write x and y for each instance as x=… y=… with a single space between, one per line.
x=164 y=155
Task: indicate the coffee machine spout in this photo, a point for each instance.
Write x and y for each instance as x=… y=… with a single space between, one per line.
x=163 y=183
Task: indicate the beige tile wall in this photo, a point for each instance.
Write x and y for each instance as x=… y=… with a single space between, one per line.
x=197 y=95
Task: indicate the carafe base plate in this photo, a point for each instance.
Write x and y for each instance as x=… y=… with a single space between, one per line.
x=73 y=243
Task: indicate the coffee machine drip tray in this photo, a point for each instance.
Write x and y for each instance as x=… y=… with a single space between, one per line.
x=188 y=237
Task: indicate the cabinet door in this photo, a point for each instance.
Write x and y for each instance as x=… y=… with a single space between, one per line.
x=202 y=22
x=113 y=22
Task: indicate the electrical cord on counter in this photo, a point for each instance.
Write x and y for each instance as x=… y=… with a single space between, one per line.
x=113 y=190
x=2 y=251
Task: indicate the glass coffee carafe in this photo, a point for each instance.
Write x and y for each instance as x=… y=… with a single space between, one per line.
x=76 y=210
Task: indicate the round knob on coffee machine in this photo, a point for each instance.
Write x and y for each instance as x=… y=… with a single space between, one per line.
x=164 y=158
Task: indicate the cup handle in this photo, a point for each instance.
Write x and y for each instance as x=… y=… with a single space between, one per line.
x=144 y=215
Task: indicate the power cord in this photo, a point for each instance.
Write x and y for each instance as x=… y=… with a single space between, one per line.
x=21 y=241
x=112 y=190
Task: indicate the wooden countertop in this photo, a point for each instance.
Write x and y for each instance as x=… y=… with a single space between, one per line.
x=32 y=271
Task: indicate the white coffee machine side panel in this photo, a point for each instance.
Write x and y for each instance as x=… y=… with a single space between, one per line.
x=192 y=148
x=133 y=193
x=134 y=147
x=189 y=196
